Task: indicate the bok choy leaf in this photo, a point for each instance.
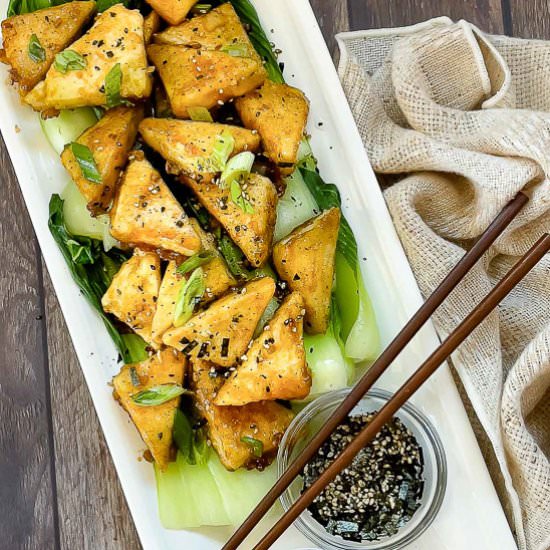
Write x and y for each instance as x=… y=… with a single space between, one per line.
x=93 y=270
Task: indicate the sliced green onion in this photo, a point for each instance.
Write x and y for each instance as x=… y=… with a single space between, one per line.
x=198 y=259
x=69 y=60
x=200 y=114
x=225 y=143
x=200 y=9
x=157 y=395
x=113 y=83
x=237 y=168
x=85 y=160
x=255 y=444
x=236 y=50
x=189 y=296
x=238 y=197
x=35 y=50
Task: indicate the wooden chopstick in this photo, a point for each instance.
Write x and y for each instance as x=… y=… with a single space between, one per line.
x=449 y=345
x=385 y=359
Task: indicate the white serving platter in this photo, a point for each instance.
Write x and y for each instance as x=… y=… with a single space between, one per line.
x=471 y=516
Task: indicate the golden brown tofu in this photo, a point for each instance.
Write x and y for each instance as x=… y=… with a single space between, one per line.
x=217 y=29
x=146 y=213
x=132 y=295
x=217 y=277
x=275 y=365
x=279 y=113
x=222 y=332
x=166 y=303
x=31 y=40
x=203 y=78
x=151 y=25
x=251 y=231
x=154 y=423
x=305 y=260
x=229 y=427
x=116 y=39
x=187 y=146
x=172 y=11
x=109 y=141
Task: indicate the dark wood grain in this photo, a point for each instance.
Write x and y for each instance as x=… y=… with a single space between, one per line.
x=90 y=500
x=369 y=14
x=58 y=484
x=530 y=19
x=28 y=513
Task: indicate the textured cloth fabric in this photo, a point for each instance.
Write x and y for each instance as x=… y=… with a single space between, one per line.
x=462 y=121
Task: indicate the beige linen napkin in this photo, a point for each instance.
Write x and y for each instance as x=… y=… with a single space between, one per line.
x=463 y=119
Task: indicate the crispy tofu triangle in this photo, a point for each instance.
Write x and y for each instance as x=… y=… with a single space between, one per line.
x=172 y=11
x=305 y=260
x=187 y=146
x=53 y=28
x=279 y=113
x=151 y=25
x=154 y=423
x=166 y=303
x=222 y=332
x=252 y=232
x=217 y=279
x=219 y=29
x=146 y=213
x=264 y=422
x=116 y=39
x=109 y=141
x=203 y=78
x=275 y=365
x=133 y=293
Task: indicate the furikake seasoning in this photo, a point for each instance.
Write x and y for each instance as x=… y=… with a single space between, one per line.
x=379 y=492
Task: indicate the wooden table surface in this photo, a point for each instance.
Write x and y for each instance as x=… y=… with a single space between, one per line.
x=58 y=487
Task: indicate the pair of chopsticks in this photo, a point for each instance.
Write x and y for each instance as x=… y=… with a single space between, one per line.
x=448 y=346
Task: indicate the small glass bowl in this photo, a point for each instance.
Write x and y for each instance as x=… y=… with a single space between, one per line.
x=313 y=417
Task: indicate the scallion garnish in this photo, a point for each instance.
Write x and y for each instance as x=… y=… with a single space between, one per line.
x=237 y=168
x=236 y=50
x=85 y=160
x=199 y=114
x=197 y=260
x=35 y=50
x=69 y=60
x=238 y=197
x=225 y=143
x=255 y=444
x=113 y=83
x=200 y=9
x=157 y=395
x=189 y=296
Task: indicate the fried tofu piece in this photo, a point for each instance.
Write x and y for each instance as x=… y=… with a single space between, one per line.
x=222 y=332
x=203 y=78
x=187 y=146
x=305 y=260
x=279 y=113
x=275 y=365
x=132 y=295
x=151 y=25
x=251 y=231
x=54 y=29
x=172 y=11
x=154 y=423
x=166 y=303
x=116 y=39
x=109 y=141
x=217 y=277
x=265 y=422
x=146 y=213
x=217 y=29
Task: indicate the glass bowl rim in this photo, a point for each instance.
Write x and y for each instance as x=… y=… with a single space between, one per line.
x=313 y=530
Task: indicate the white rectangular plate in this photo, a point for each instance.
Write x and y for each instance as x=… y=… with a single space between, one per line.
x=471 y=516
